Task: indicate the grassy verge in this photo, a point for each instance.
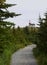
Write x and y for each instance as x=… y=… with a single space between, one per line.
x=6 y=56
x=41 y=57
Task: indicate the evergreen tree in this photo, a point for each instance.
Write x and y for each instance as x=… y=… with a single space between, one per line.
x=42 y=34
x=5 y=25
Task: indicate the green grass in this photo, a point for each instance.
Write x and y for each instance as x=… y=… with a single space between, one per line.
x=6 y=56
x=12 y=41
x=41 y=57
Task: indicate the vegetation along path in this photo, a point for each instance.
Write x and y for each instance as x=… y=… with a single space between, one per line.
x=24 y=56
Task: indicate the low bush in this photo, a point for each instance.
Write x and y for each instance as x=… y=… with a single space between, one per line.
x=40 y=56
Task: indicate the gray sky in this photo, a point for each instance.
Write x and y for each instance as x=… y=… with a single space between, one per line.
x=29 y=9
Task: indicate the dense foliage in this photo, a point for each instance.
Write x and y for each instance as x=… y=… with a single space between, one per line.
x=7 y=45
x=41 y=37
x=4 y=25
x=11 y=38
x=40 y=51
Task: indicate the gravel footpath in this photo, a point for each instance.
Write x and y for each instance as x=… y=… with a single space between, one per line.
x=24 y=56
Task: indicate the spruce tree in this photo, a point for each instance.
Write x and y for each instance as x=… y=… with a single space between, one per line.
x=4 y=25
x=5 y=14
x=42 y=34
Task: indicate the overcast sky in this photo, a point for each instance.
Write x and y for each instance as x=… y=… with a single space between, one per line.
x=29 y=9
